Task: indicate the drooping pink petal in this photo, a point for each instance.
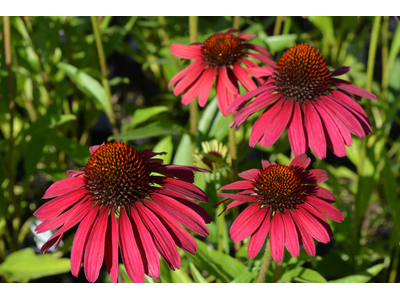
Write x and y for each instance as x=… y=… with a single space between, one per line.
x=314 y=227
x=184 y=188
x=327 y=210
x=334 y=139
x=189 y=79
x=277 y=237
x=257 y=239
x=263 y=58
x=94 y=253
x=222 y=95
x=229 y=206
x=260 y=71
x=266 y=163
x=80 y=240
x=206 y=85
x=352 y=89
x=318 y=217
x=94 y=148
x=238 y=185
x=314 y=131
x=278 y=124
x=249 y=174
x=303 y=234
x=191 y=92
x=189 y=203
x=181 y=237
x=148 y=251
x=247 y=97
x=186 y=52
x=162 y=239
x=185 y=71
x=226 y=80
x=129 y=250
x=247 y=222
x=320 y=192
x=260 y=49
x=244 y=79
x=296 y=131
x=300 y=162
x=314 y=176
x=291 y=237
x=63 y=186
x=72 y=173
x=55 y=207
x=341 y=70
x=246 y=36
x=181 y=213
x=111 y=246
x=237 y=197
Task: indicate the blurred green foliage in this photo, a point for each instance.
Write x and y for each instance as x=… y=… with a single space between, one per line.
x=62 y=108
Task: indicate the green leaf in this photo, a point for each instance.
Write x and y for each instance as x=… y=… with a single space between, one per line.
x=198 y=278
x=165 y=145
x=245 y=277
x=220 y=265
x=277 y=43
x=34 y=153
x=151 y=130
x=183 y=156
x=208 y=116
x=302 y=275
x=361 y=277
x=75 y=150
x=50 y=121
x=24 y=265
x=143 y=114
x=179 y=276
x=88 y=85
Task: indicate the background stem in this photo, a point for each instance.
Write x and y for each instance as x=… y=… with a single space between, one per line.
x=193 y=105
x=265 y=263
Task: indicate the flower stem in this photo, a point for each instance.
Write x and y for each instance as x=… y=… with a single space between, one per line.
x=265 y=263
x=193 y=105
x=385 y=57
x=156 y=280
x=236 y=24
x=278 y=25
x=104 y=72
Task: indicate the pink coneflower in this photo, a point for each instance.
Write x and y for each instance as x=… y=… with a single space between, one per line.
x=287 y=203
x=301 y=94
x=218 y=57
x=110 y=200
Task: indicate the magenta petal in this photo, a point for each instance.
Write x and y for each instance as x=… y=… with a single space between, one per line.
x=258 y=238
x=191 y=93
x=129 y=250
x=146 y=245
x=327 y=210
x=238 y=185
x=111 y=247
x=320 y=192
x=63 y=186
x=181 y=237
x=189 y=79
x=341 y=70
x=303 y=234
x=296 y=131
x=247 y=222
x=318 y=218
x=314 y=227
x=80 y=240
x=246 y=36
x=185 y=189
x=352 y=89
x=244 y=79
x=94 y=253
x=72 y=173
x=237 y=197
x=206 y=85
x=226 y=80
x=94 y=148
x=247 y=97
x=278 y=124
x=277 y=237
x=260 y=49
x=261 y=57
x=300 y=162
x=314 y=131
x=186 y=52
x=314 y=176
x=260 y=71
x=266 y=163
x=249 y=174
x=185 y=71
x=162 y=239
x=291 y=238
x=181 y=213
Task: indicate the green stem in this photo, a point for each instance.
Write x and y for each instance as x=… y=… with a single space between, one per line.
x=236 y=21
x=278 y=25
x=11 y=106
x=104 y=72
x=286 y=25
x=277 y=272
x=385 y=57
x=265 y=263
x=193 y=105
x=156 y=280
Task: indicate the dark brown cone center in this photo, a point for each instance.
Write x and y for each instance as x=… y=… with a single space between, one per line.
x=302 y=73
x=116 y=174
x=279 y=187
x=222 y=49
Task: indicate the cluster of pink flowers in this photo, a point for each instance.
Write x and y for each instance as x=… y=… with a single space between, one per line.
x=128 y=200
